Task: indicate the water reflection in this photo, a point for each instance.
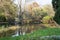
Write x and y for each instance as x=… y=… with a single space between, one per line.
x=18 y=30
x=28 y=29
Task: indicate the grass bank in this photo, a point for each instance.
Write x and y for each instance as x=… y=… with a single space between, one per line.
x=36 y=35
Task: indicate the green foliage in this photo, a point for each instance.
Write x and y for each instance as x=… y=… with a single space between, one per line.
x=56 y=6
x=57 y=16
x=46 y=19
x=2 y=18
x=1 y=10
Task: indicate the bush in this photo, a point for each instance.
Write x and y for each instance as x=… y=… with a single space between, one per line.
x=46 y=19
x=2 y=18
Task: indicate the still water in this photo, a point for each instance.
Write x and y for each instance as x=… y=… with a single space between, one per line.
x=27 y=29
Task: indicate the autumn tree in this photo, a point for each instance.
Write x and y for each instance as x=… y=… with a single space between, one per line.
x=34 y=12
x=49 y=10
x=8 y=10
x=50 y=14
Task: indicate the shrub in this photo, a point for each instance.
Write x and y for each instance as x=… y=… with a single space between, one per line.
x=46 y=19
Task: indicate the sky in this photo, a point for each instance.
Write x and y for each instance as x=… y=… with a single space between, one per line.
x=40 y=2
x=43 y=2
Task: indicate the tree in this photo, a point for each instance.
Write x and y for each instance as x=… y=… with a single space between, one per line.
x=56 y=6
x=8 y=9
x=38 y=12
x=49 y=10
x=8 y=6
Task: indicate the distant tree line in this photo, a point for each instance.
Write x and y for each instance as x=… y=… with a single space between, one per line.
x=32 y=14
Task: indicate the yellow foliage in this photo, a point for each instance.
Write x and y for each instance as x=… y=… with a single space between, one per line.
x=44 y=10
x=46 y=19
x=49 y=10
x=36 y=8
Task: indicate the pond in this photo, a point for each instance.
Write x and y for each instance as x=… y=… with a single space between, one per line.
x=27 y=29
x=18 y=30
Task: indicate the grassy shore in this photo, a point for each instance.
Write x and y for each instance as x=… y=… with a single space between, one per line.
x=36 y=34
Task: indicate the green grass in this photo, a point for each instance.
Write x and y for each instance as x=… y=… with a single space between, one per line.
x=36 y=34
x=45 y=32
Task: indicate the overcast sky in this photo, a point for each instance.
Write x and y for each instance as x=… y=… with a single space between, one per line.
x=41 y=2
